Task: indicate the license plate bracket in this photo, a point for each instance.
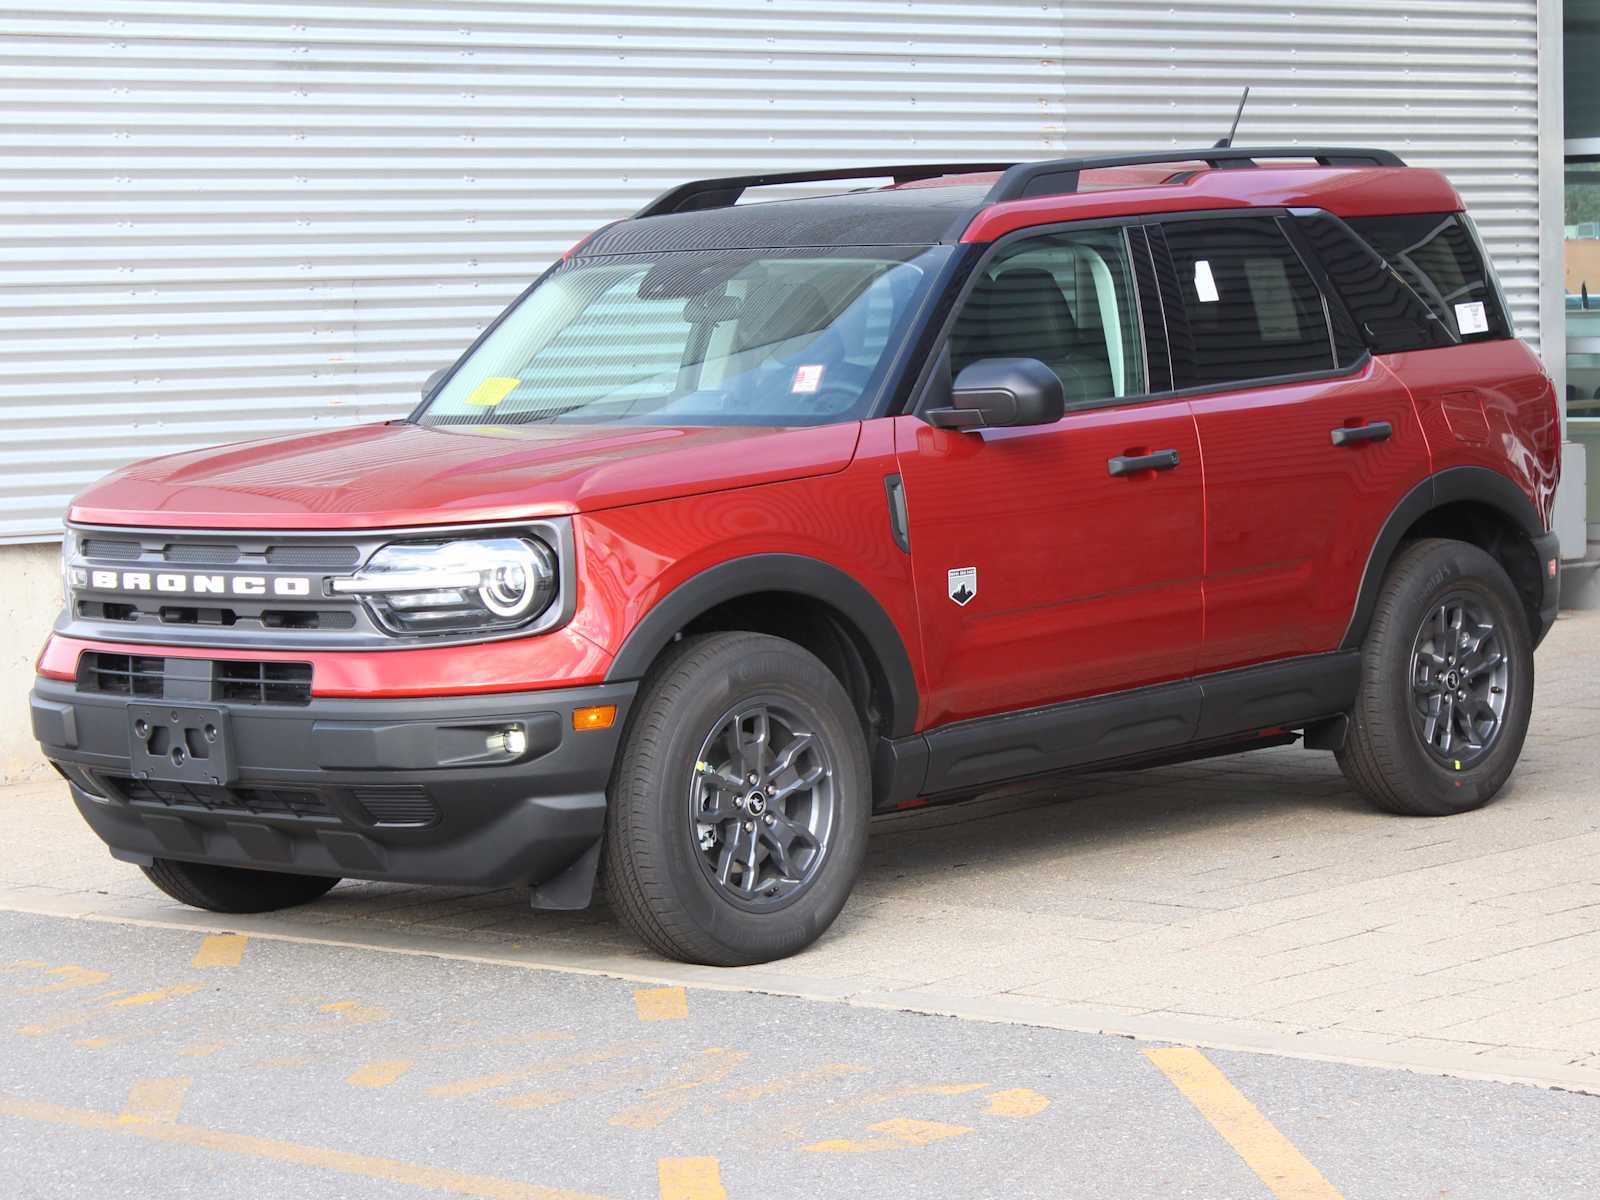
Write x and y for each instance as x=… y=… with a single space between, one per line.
x=180 y=743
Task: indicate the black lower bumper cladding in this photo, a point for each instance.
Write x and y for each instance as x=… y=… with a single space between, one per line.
x=481 y=791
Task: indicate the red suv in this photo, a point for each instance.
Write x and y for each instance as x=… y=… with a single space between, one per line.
x=746 y=522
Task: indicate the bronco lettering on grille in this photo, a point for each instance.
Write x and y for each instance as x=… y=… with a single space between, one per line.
x=182 y=583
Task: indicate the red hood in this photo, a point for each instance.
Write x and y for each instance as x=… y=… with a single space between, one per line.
x=383 y=476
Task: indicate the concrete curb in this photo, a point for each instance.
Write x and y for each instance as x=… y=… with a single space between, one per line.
x=1371 y=1050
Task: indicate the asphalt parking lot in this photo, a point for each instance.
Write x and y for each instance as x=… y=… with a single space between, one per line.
x=1223 y=979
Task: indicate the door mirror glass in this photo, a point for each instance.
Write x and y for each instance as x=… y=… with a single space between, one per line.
x=999 y=393
x=433 y=381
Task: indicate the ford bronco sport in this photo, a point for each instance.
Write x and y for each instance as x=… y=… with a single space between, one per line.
x=746 y=522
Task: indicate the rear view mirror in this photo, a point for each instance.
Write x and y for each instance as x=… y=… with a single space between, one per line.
x=1000 y=393
x=433 y=381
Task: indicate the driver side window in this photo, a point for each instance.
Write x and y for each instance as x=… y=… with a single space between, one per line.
x=1066 y=299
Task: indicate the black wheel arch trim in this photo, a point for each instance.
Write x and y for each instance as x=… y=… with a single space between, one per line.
x=1454 y=484
x=795 y=573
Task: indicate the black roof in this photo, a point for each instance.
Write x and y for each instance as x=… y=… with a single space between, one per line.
x=922 y=216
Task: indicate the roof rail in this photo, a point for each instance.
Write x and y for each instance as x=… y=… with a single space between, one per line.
x=1060 y=176
x=700 y=194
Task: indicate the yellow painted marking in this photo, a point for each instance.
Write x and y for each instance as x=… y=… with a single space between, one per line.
x=1017 y=1102
x=155 y=1100
x=709 y=1066
x=777 y=1087
x=492 y=390
x=202 y=1049
x=220 y=950
x=378 y=1074
x=484 y=1083
x=71 y=977
x=631 y=1077
x=95 y=1043
x=455 y=1183
x=690 y=1179
x=1285 y=1171
x=287 y=1063
x=68 y=1020
x=352 y=1012
x=900 y=1134
x=661 y=1004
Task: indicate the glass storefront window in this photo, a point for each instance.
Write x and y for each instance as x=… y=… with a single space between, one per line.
x=1583 y=320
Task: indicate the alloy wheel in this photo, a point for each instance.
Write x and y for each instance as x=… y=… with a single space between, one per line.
x=1460 y=677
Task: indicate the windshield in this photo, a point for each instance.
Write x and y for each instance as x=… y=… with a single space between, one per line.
x=699 y=337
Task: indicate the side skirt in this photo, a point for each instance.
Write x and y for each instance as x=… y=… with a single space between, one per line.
x=1166 y=722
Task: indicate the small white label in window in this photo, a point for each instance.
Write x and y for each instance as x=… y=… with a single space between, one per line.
x=1204 y=284
x=1471 y=318
x=809 y=379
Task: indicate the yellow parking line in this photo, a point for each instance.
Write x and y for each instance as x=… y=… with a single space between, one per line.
x=1017 y=1102
x=221 y=950
x=155 y=1100
x=903 y=1133
x=1285 y=1171
x=690 y=1179
x=661 y=1004
x=378 y=1074
x=455 y=1183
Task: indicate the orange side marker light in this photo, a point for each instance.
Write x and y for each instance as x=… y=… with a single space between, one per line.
x=600 y=716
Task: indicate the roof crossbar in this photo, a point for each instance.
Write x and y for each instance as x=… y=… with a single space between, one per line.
x=699 y=194
x=1060 y=176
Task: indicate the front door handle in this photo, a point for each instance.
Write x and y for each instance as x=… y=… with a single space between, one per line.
x=1348 y=435
x=1127 y=464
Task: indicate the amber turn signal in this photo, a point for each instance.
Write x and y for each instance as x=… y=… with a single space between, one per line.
x=601 y=716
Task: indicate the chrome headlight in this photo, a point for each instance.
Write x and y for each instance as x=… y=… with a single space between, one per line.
x=476 y=584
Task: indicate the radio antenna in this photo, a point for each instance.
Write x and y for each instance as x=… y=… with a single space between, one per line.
x=1228 y=141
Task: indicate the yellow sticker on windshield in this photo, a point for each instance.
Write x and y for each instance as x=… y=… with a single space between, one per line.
x=491 y=391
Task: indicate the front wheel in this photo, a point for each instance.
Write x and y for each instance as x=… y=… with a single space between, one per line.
x=738 y=816
x=1446 y=684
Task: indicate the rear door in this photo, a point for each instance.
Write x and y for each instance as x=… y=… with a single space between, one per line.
x=1309 y=442
x=1044 y=570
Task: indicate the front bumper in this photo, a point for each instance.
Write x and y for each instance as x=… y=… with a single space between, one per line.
x=401 y=790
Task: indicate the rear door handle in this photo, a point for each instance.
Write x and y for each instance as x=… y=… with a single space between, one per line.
x=1127 y=464
x=1346 y=435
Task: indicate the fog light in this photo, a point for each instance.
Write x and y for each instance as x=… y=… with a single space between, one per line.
x=511 y=741
x=601 y=716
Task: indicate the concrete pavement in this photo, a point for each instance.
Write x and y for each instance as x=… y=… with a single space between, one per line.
x=1248 y=902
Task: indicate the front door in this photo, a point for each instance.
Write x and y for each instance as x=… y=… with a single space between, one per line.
x=1049 y=565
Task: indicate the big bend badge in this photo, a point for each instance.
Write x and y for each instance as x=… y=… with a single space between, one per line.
x=963 y=585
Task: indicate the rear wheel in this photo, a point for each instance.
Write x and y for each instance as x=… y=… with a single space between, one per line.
x=739 y=808
x=234 y=889
x=1446 y=684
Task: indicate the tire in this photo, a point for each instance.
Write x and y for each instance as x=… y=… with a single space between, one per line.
x=679 y=786
x=1392 y=755
x=234 y=889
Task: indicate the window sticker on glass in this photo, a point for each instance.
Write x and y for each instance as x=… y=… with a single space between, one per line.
x=1472 y=318
x=807 y=379
x=1204 y=285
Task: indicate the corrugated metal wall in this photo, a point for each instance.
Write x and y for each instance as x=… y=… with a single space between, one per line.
x=224 y=220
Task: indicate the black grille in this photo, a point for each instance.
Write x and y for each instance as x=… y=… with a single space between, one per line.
x=111 y=549
x=121 y=674
x=211 y=554
x=330 y=558
x=397 y=804
x=257 y=801
x=262 y=682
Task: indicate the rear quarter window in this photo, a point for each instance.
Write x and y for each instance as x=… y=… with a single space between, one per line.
x=1438 y=257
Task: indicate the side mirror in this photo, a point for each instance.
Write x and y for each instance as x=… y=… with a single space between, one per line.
x=998 y=393
x=433 y=381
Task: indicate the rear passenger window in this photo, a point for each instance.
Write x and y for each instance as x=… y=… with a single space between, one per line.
x=1250 y=308
x=1438 y=256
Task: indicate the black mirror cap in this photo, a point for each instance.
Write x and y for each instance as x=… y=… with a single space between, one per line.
x=1000 y=393
x=433 y=381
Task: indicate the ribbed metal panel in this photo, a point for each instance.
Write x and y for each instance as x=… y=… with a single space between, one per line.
x=1451 y=84
x=224 y=220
